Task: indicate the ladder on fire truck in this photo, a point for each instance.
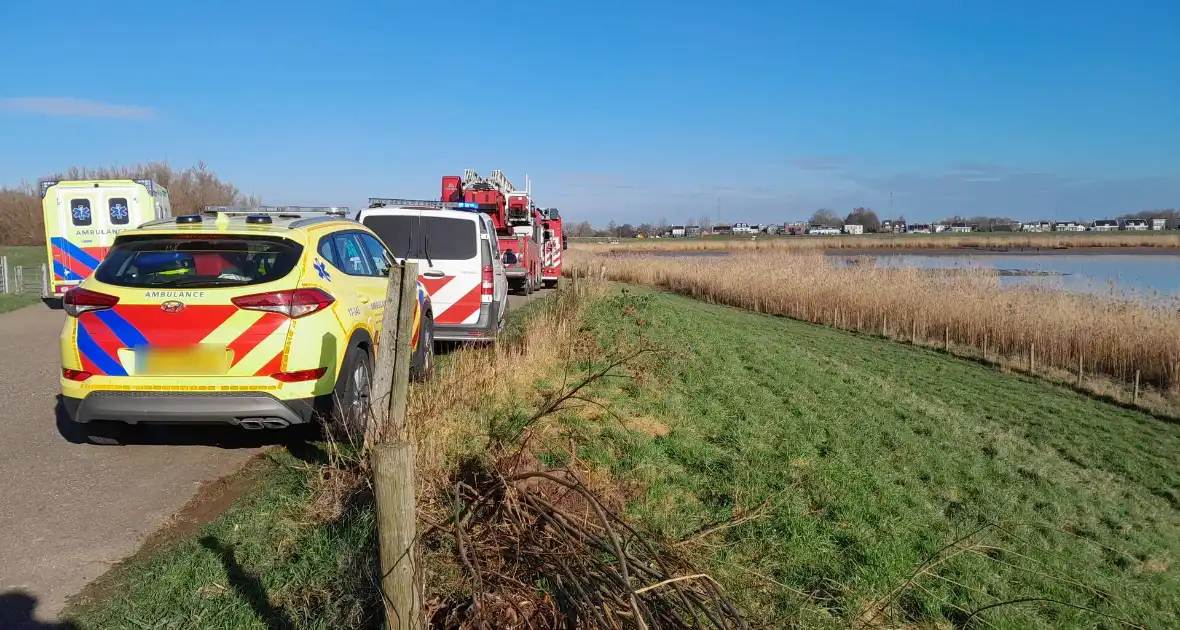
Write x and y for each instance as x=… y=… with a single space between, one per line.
x=497 y=181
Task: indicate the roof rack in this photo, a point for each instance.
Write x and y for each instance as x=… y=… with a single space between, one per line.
x=294 y=211
x=383 y=202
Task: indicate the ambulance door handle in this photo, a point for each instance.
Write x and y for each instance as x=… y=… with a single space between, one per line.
x=432 y=273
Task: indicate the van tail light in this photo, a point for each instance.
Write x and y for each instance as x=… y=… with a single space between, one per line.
x=489 y=279
x=77 y=301
x=300 y=376
x=294 y=304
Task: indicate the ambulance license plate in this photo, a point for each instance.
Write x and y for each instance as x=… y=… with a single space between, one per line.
x=199 y=360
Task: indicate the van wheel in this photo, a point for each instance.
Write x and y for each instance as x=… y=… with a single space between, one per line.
x=424 y=367
x=352 y=396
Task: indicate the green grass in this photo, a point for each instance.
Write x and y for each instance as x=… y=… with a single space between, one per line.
x=255 y=566
x=870 y=456
x=20 y=255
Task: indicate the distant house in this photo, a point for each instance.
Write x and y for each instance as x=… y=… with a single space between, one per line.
x=742 y=228
x=795 y=228
x=723 y=228
x=692 y=230
x=961 y=227
x=1159 y=224
x=938 y=228
x=919 y=228
x=1037 y=226
x=676 y=231
x=1007 y=226
x=854 y=228
x=892 y=226
x=1136 y=225
x=1069 y=226
x=823 y=230
x=1106 y=225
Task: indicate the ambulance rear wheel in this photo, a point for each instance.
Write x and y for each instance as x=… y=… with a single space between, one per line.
x=354 y=388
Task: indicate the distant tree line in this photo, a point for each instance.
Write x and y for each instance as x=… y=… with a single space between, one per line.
x=863 y=216
x=189 y=190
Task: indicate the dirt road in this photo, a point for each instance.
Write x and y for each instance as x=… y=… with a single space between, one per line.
x=70 y=511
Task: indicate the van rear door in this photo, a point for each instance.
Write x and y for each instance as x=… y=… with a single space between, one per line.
x=446 y=248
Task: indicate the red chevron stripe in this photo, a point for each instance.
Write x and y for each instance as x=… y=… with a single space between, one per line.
x=272 y=366
x=434 y=285
x=254 y=335
x=187 y=327
x=461 y=309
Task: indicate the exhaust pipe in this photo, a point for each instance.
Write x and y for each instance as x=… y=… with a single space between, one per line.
x=253 y=425
x=275 y=423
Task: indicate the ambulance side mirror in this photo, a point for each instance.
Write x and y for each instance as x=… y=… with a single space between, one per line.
x=548 y=235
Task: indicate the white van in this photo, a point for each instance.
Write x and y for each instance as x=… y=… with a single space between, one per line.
x=459 y=262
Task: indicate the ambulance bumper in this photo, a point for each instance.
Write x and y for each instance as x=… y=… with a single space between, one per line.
x=253 y=410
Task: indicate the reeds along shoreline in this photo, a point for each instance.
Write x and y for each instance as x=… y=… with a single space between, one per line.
x=1059 y=329
x=993 y=240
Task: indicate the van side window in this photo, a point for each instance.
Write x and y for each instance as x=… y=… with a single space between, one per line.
x=326 y=251
x=80 y=212
x=120 y=215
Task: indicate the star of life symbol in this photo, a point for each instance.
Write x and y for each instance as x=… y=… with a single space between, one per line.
x=322 y=270
x=119 y=212
x=81 y=212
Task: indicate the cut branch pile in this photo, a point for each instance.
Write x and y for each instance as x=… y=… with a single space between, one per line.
x=540 y=550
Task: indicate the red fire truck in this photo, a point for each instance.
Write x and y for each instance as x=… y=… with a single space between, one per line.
x=518 y=222
x=552 y=246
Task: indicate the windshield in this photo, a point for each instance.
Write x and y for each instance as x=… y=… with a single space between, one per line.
x=411 y=236
x=197 y=261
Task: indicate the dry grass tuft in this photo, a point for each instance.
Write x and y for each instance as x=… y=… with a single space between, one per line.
x=190 y=190
x=1112 y=338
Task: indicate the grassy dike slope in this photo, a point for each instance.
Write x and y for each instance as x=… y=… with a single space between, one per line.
x=856 y=460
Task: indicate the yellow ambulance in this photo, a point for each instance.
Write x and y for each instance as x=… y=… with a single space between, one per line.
x=82 y=218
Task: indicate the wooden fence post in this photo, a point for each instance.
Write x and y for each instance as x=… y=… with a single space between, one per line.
x=946 y=339
x=985 y=346
x=884 y=324
x=1032 y=358
x=1135 y=399
x=1080 y=367
x=914 y=332
x=392 y=370
x=393 y=487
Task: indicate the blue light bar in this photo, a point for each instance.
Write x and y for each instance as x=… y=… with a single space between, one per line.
x=384 y=202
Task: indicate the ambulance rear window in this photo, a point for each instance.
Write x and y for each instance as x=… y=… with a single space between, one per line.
x=197 y=261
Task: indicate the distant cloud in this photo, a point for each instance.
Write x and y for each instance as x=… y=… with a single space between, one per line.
x=820 y=163
x=58 y=106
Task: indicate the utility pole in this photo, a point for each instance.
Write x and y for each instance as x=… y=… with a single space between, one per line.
x=890 y=205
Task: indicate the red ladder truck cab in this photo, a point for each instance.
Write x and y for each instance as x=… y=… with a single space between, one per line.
x=493 y=197
x=552 y=245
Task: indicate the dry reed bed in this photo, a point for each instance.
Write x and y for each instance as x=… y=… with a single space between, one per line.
x=445 y=414
x=898 y=241
x=1113 y=338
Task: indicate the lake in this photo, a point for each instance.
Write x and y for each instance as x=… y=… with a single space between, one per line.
x=1127 y=275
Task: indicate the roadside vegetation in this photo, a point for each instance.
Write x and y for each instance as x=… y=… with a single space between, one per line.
x=1047 y=332
x=911 y=242
x=835 y=480
x=20 y=255
x=190 y=190
x=818 y=478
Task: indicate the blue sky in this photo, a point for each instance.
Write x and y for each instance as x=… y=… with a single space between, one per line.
x=622 y=111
